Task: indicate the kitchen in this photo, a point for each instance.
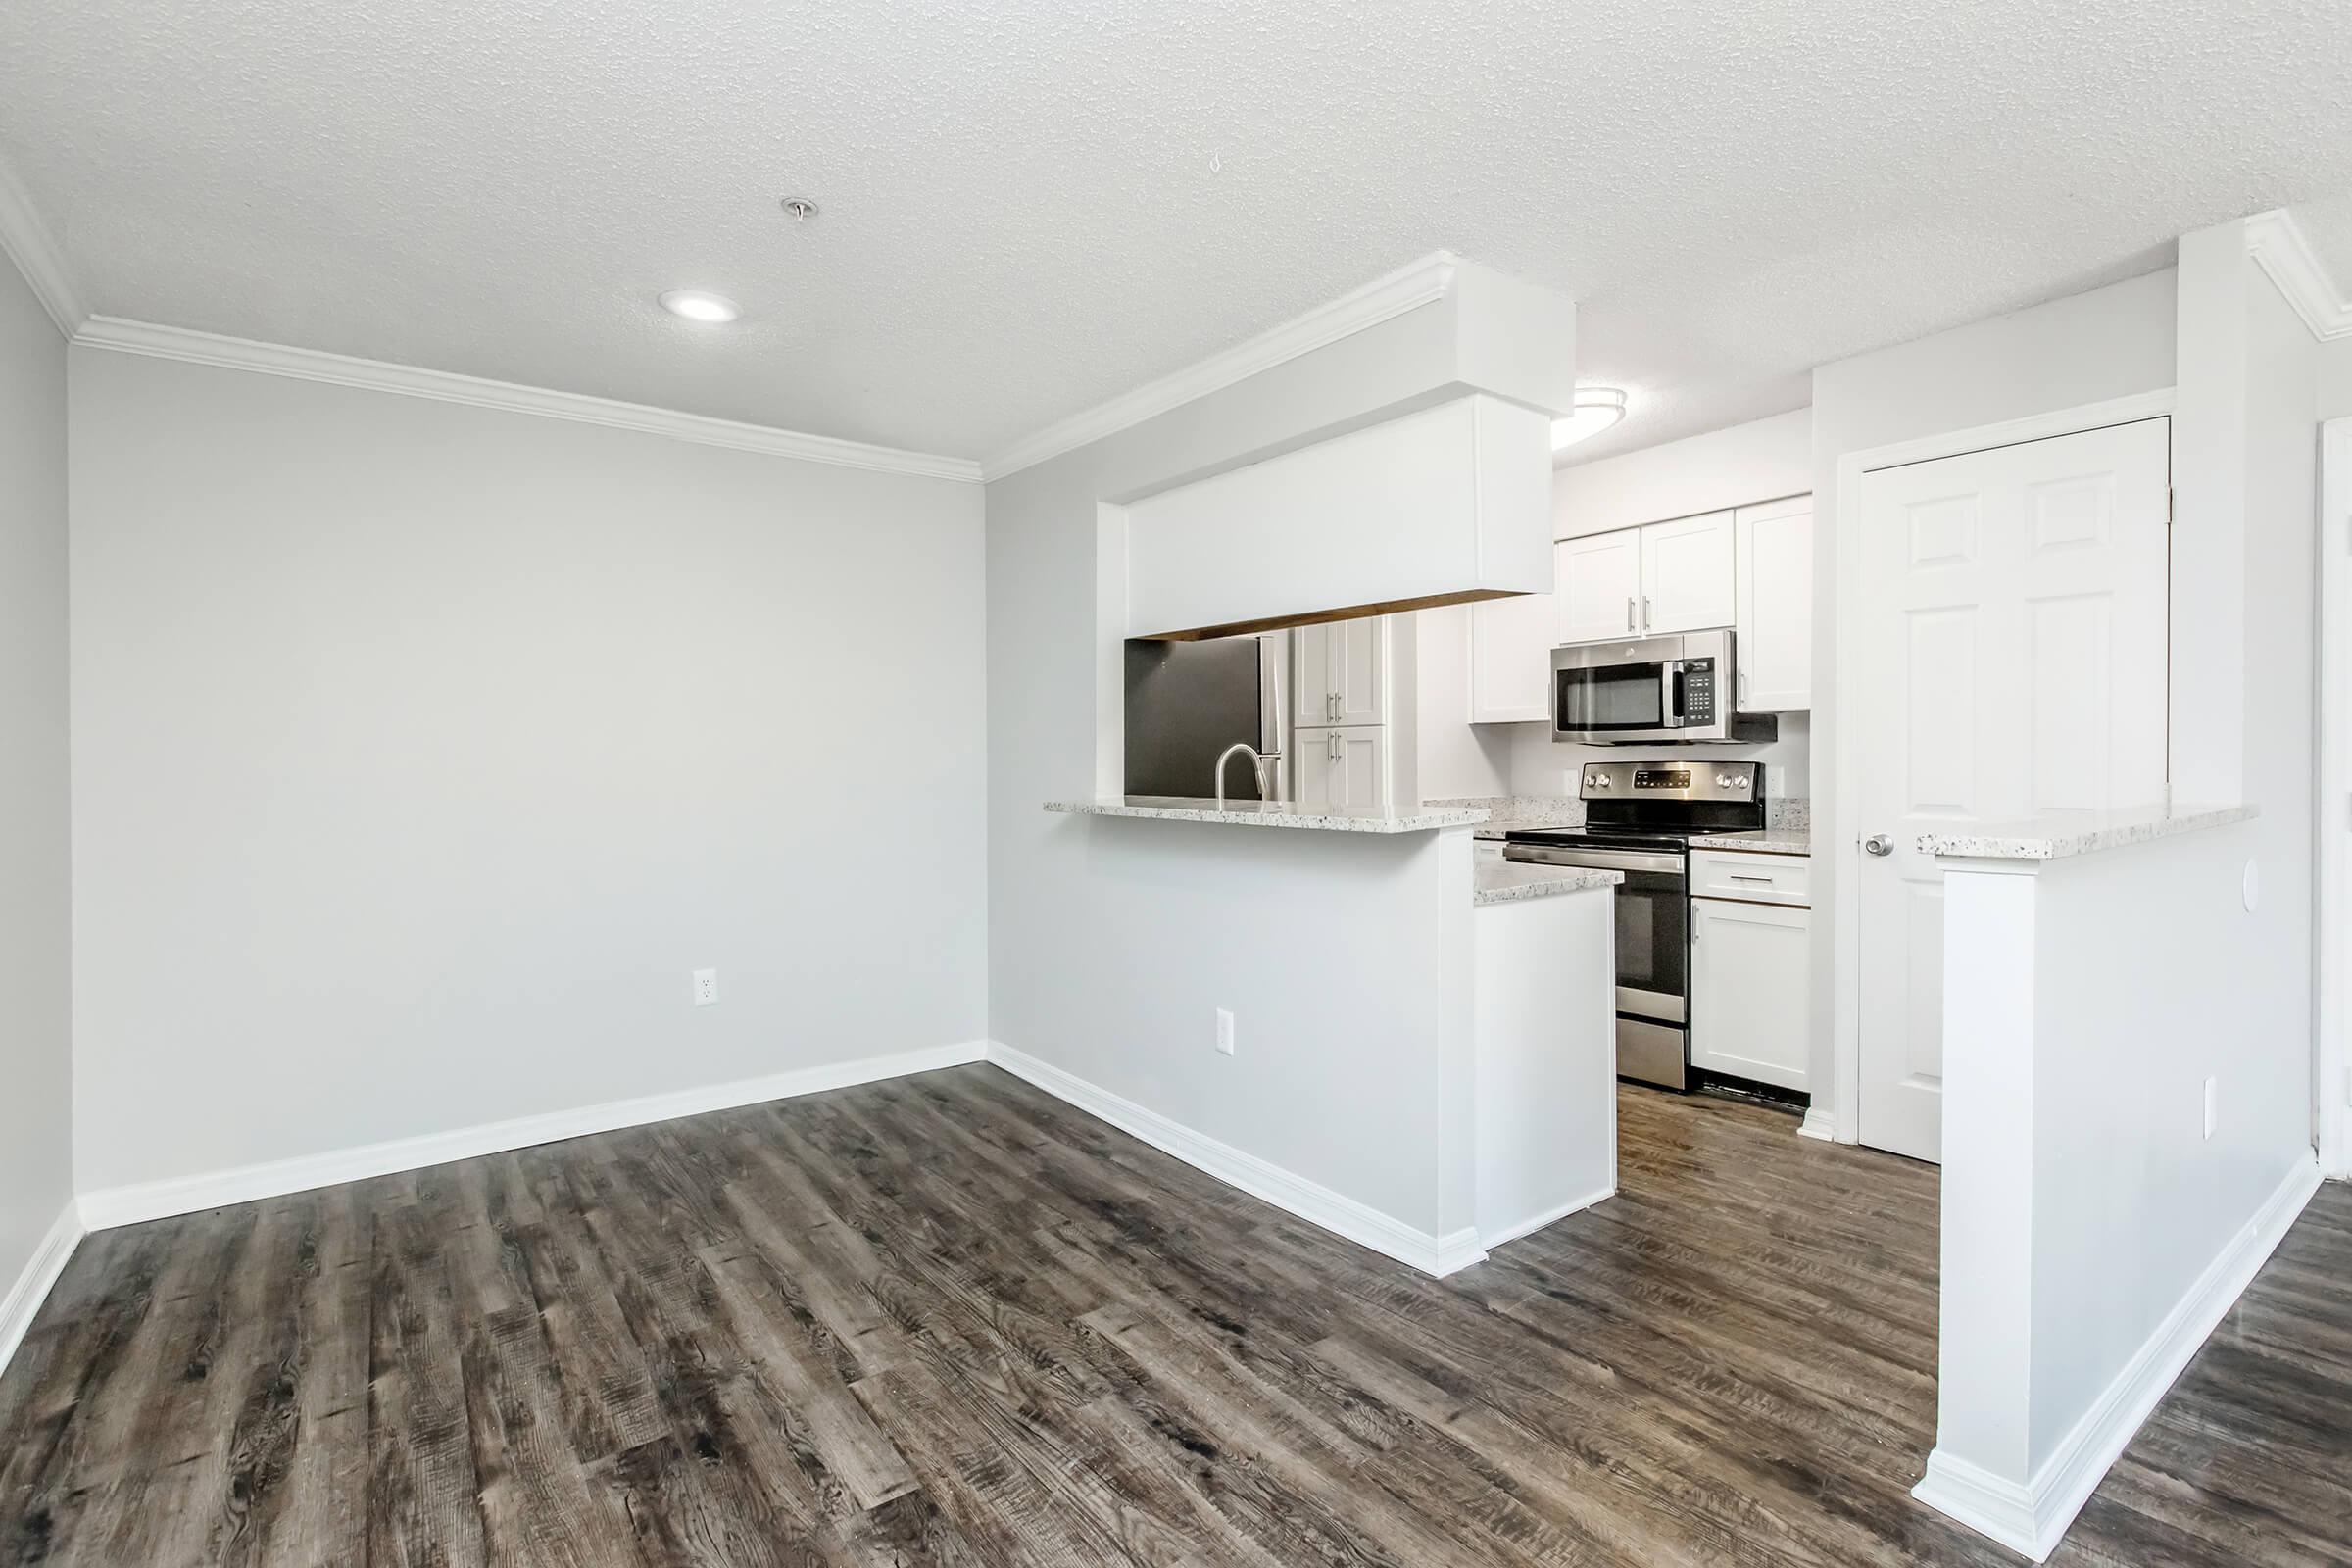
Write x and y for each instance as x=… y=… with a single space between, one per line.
x=1648 y=717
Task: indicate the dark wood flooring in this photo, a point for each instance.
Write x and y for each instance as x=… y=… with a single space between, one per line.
x=949 y=1320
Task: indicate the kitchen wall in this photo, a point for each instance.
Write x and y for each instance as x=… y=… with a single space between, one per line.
x=420 y=750
x=2336 y=378
x=2107 y=343
x=1114 y=942
x=35 y=914
x=1762 y=460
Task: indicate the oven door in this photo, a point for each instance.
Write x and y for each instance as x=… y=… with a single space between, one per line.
x=1653 y=929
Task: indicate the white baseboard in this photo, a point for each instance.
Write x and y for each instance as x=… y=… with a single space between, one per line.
x=1529 y=1226
x=1818 y=1123
x=2032 y=1518
x=32 y=1285
x=134 y=1204
x=1286 y=1191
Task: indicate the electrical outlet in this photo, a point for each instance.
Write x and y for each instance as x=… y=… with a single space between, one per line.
x=1224 y=1032
x=2212 y=1107
x=705 y=987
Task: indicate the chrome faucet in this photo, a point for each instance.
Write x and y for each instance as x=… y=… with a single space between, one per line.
x=1257 y=764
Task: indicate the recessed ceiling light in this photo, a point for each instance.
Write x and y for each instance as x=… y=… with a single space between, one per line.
x=1596 y=408
x=711 y=310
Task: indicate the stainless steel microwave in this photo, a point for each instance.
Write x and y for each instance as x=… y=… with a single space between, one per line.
x=1652 y=689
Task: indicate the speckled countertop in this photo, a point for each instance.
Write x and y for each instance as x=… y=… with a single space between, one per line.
x=1510 y=814
x=2057 y=835
x=1259 y=813
x=1764 y=841
x=1512 y=883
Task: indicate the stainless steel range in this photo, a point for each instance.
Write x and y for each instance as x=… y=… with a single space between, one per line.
x=1639 y=819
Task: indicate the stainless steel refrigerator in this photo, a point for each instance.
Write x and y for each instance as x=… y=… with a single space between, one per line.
x=1188 y=701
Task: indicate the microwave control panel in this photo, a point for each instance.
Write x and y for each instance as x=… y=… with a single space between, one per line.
x=1698 y=691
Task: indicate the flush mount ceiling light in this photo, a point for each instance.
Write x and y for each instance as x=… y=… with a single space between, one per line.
x=711 y=310
x=1596 y=408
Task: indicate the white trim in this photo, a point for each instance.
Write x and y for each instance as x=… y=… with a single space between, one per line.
x=1845 y=855
x=27 y=241
x=1818 y=1123
x=378 y=375
x=1409 y=288
x=2334 y=1075
x=1294 y=1194
x=1529 y=1226
x=24 y=1300
x=2281 y=248
x=187 y=1194
x=2033 y=1519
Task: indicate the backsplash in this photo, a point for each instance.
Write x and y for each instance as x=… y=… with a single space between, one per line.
x=1795 y=814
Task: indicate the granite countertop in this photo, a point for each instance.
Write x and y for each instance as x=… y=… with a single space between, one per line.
x=1512 y=814
x=1511 y=882
x=2057 y=835
x=1280 y=814
x=1763 y=840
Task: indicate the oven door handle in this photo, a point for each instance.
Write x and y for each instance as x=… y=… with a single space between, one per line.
x=1594 y=860
x=1670 y=687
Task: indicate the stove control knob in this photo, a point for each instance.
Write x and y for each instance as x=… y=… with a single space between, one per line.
x=1597 y=781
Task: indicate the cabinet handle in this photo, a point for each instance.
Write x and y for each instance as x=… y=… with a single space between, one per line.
x=1646 y=616
x=1629 y=613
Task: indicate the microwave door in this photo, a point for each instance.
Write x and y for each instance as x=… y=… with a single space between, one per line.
x=1611 y=701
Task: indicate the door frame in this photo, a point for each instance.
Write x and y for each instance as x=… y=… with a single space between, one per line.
x=2331 y=1085
x=1845 y=855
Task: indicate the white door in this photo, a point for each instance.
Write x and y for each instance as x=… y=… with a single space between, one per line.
x=1598 y=580
x=1342 y=767
x=2012 y=661
x=1751 y=1012
x=1687 y=575
x=1773 y=546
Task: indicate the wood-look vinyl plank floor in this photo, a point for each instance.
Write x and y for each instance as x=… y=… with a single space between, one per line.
x=950 y=1320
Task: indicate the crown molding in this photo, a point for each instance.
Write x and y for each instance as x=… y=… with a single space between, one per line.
x=1408 y=288
x=28 y=242
x=2279 y=245
x=376 y=376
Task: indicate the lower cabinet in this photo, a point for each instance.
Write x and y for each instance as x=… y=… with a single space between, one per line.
x=1346 y=765
x=1751 y=998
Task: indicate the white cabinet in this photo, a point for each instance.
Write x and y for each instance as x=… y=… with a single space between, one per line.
x=1338 y=767
x=1597 y=582
x=1510 y=659
x=1773 y=544
x=1652 y=582
x=1342 y=672
x=1750 y=1000
x=1687 y=575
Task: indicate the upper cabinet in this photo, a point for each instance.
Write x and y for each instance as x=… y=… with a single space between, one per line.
x=1687 y=575
x=1597 y=583
x=1645 y=583
x=1342 y=672
x=1774 y=631
x=1510 y=659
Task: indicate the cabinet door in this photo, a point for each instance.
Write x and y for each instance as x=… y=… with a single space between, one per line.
x=1773 y=651
x=1342 y=767
x=1360 y=661
x=1687 y=575
x=1751 y=1008
x=1314 y=674
x=1510 y=659
x=1598 y=580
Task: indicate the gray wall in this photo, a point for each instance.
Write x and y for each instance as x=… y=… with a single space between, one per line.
x=36 y=918
x=423 y=751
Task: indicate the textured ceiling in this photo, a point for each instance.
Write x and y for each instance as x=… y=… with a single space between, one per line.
x=1032 y=205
